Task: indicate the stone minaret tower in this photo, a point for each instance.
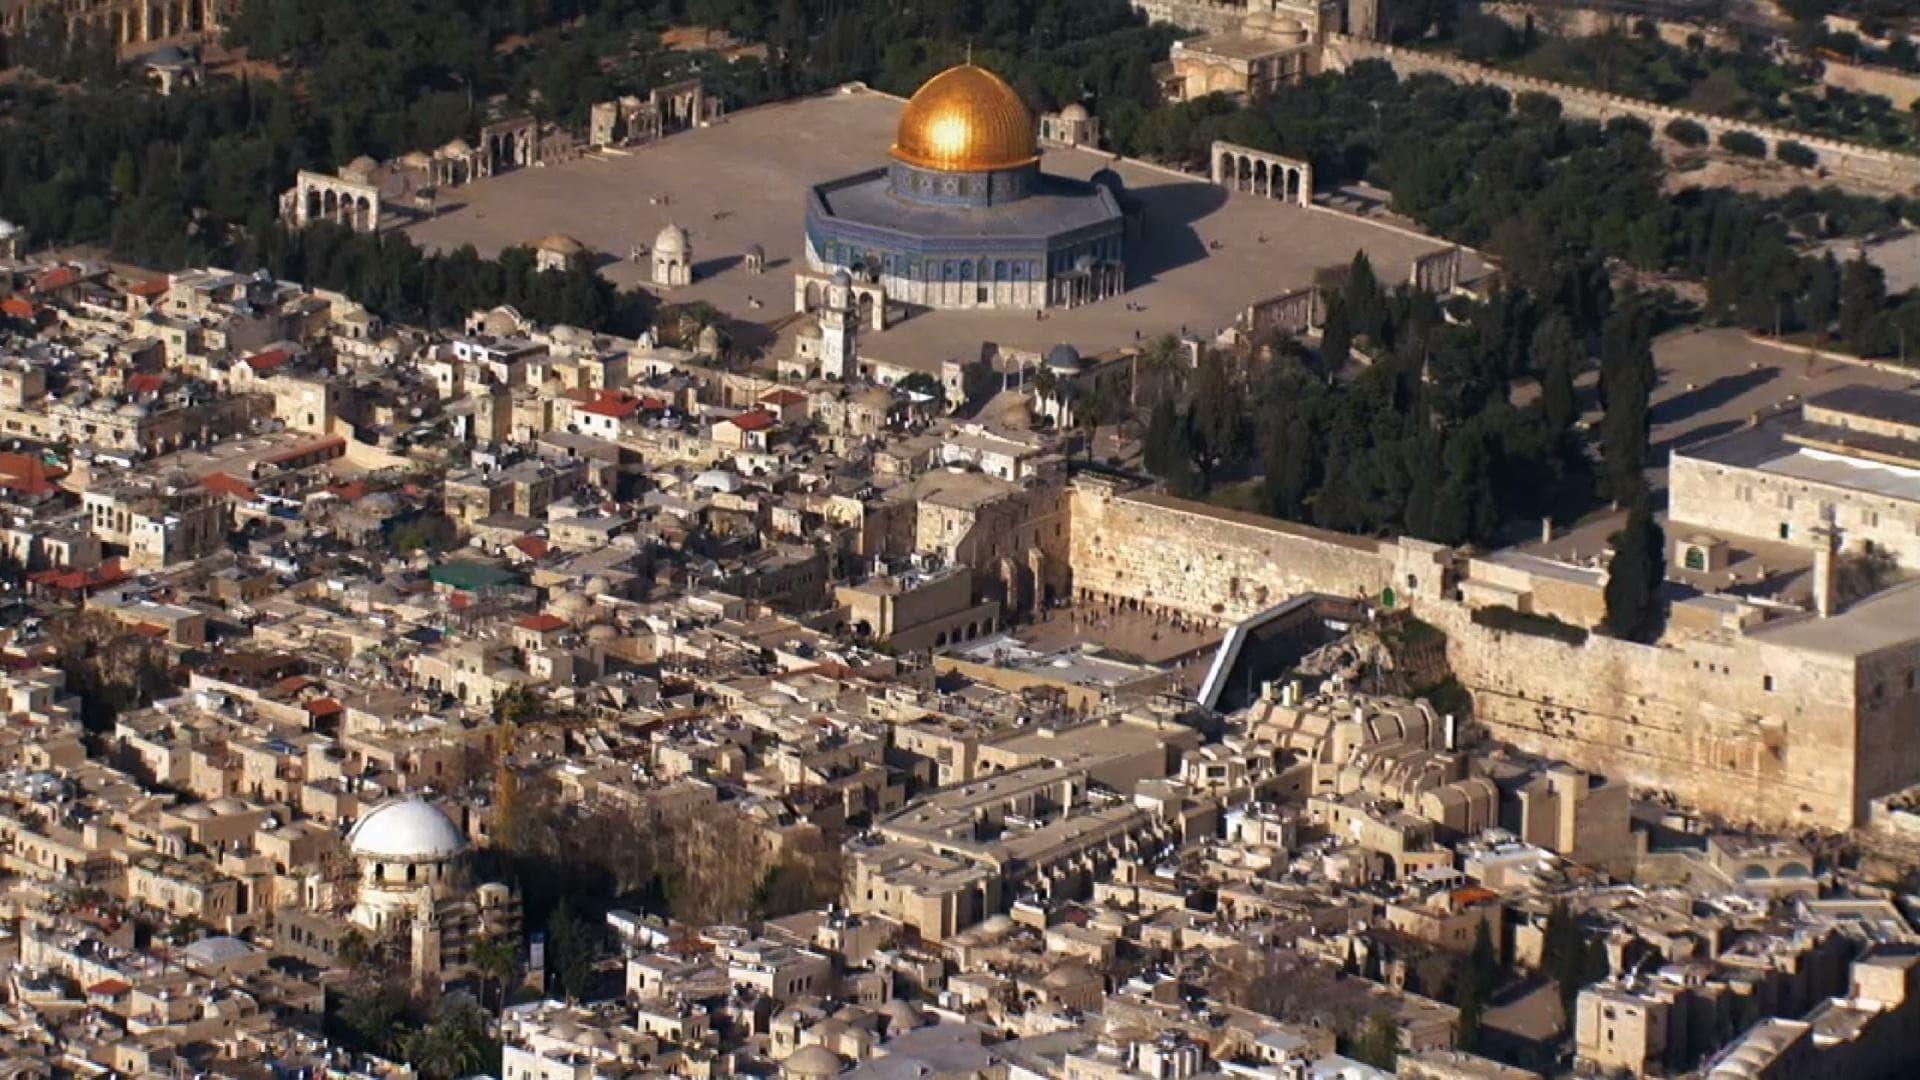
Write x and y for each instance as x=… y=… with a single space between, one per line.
x=1363 y=19
x=838 y=327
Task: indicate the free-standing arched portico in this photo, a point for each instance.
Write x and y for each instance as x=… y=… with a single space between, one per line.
x=1258 y=172
x=318 y=197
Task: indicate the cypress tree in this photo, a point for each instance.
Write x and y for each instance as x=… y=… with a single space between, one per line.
x=1634 y=575
x=1163 y=437
x=1556 y=354
x=1336 y=338
x=1476 y=987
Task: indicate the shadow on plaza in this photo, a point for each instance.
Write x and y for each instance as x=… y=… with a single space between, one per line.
x=1700 y=400
x=1661 y=449
x=713 y=267
x=1168 y=240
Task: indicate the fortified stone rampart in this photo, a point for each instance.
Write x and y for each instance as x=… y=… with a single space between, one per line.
x=1732 y=726
x=1583 y=20
x=1756 y=726
x=1851 y=160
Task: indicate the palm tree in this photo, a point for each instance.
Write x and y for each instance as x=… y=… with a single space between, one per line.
x=1045 y=382
x=494 y=960
x=455 y=1044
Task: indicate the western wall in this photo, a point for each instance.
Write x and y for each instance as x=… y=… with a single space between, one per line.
x=1730 y=722
x=1156 y=552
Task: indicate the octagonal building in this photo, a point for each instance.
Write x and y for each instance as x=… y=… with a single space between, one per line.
x=963 y=216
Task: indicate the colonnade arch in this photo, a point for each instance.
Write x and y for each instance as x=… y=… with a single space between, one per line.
x=1257 y=172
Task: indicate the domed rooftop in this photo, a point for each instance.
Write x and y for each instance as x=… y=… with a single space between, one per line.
x=672 y=240
x=810 y=1062
x=900 y=1016
x=406 y=830
x=1064 y=976
x=965 y=119
x=1074 y=112
x=560 y=244
x=1064 y=359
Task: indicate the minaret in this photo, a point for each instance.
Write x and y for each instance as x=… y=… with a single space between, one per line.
x=838 y=327
x=1825 y=581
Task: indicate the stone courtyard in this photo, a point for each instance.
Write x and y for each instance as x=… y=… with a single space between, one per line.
x=743 y=182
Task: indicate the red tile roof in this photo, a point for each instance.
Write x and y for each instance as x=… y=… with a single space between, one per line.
x=149 y=288
x=533 y=547
x=107 y=573
x=19 y=307
x=231 y=486
x=324 y=706
x=57 y=278
x=755 y=420
x=543 y=623
x=146 y=382
x=267 y=361
x=28 y=474
x=783 y=396
x=109 y=988
x=618 y=406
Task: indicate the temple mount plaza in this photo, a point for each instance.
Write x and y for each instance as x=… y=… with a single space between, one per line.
x=924 y=200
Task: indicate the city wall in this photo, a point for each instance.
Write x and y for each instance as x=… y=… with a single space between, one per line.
x=1200 y=15
x=1862 y=163
x=1592 y=22
x=1731 y=725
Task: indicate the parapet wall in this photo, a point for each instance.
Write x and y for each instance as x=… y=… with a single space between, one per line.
x=1851 y=160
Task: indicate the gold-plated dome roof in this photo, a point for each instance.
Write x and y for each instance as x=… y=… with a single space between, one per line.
x=965 y=119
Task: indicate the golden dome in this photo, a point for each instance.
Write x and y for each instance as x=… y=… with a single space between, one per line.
x=965 y=119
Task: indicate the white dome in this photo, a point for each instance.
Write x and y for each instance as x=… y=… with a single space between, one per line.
x=671 y=241
x=406 y=830
x=1074 y=113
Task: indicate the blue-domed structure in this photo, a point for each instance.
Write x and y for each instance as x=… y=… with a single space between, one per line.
x=963 y=217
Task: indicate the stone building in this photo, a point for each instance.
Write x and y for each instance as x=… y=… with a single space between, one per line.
x=956 y=857
x=1071 y=126
x=412 y=882
x=1846 y=461
x=964 y=217
x=556 y=251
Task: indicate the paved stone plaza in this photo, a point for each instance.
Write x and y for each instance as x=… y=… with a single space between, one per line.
x=744 y=181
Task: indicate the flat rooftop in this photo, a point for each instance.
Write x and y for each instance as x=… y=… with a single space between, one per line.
x=1872 y=402
x=1202 y=256
x=1766 y=447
